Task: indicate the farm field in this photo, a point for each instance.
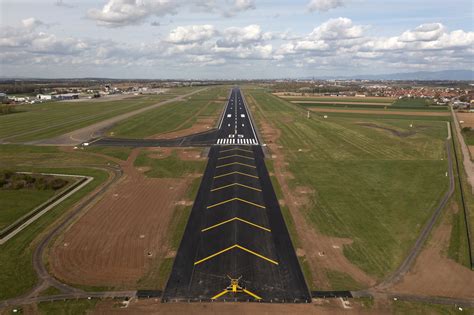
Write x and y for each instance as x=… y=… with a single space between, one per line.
x=145 y=206
x=366 y=185
x=200 y=109
x=40 y=121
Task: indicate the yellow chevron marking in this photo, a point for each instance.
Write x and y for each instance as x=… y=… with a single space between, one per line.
x=234 y=219
x=238 y=149
x=235 y=184
x=239 y=247
x=231 y=173
x=236 y=163
x=235 y=155
x=233 y=199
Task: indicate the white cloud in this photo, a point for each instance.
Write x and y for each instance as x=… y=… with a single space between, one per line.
x=324 y=5
x=335 y=45
x=190 y=34
x=31 y=23
x=424 y=32
x=117 y=13
x=235 y=36
x=337 y=29
x=243 y=5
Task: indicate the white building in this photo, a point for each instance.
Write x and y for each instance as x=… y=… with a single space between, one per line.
x=44 y=97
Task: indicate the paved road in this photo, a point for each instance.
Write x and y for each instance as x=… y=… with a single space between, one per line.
x=79 y=136
x=236 y=229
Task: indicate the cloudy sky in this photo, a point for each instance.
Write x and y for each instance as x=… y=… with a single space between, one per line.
x=227 y=39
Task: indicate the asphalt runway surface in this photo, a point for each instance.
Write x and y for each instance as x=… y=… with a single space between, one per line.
x=236 y=246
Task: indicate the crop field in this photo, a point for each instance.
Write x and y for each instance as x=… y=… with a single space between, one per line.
x=174 y=116
x=374 y=181
x=40 y=121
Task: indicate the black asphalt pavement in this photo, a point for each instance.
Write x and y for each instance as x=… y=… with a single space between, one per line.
x=236 y=229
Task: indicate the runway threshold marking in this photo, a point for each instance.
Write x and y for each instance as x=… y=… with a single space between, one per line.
x=236 y=184
x=234 y=199
x=239 y=149
x=235 y=155
x=231 y=173
x=236 y=219
x=235 y=163
x=239 y=247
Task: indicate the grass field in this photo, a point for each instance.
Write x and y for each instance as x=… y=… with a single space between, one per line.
x=174 y=116
x=40 y=121
x=169 y=167
x=68 y=307
x=17 y=274
x=16 y=203
x=340 y=99
x=371 y=185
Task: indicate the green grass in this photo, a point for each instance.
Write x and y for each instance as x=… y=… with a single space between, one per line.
x=50 y=291
x=34 y=157
x=413 y=102
x=173 y=116
x=468 y=135
x=16 y=203
x=168 y=167
x=458 y=249
x=341 y=281
x=419 y=308
x=72 y=307
x=40 y=121
x=413 y=117
x=17 y=274
x=367 y=100
x=371 y=186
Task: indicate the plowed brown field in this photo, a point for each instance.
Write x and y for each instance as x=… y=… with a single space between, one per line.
x=114 y=242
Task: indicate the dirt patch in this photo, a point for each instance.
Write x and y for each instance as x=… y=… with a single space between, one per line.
x=467 y=118
x=201 y=125
x=322 y=252
x=378 y=112
x=154 y=306
x=435 y=274
x=111 y=244
x=185 y=154
x=401 y=134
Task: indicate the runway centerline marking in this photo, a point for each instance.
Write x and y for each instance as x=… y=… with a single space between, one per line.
x=236 y=219
x=235 y=155
x=236 y=199
x=239 y=247
x=235 y=172
x=236 y=184
x=235 y=163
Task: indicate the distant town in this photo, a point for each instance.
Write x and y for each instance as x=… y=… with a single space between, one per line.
x=458 y=94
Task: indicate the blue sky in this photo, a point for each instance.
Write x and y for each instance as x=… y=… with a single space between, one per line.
x=226 y=39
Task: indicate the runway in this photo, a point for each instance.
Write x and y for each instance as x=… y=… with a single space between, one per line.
x=236 y=246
